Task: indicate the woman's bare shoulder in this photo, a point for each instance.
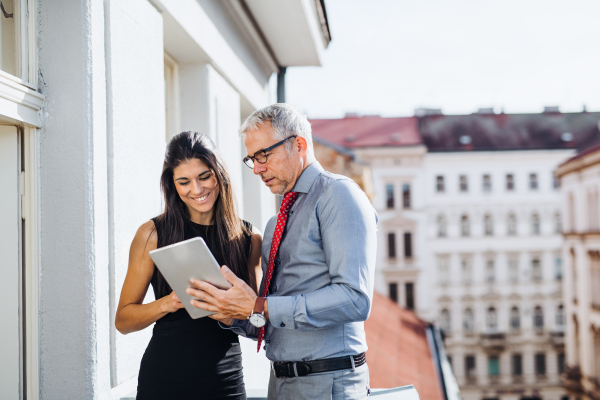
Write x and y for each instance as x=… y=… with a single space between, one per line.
x=146 y=235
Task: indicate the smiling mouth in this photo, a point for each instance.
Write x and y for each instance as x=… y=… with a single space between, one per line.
x=200 y=199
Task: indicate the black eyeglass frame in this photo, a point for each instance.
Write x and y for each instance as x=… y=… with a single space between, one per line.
x=264 y=151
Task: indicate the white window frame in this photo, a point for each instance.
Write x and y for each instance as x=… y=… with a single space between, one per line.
x=20 y=105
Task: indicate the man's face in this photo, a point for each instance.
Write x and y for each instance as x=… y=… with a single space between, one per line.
x=282 y=168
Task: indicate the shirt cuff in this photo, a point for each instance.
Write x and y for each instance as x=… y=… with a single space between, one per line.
x=281 y=311
x=242 y=328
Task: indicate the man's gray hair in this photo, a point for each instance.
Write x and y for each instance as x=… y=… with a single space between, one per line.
x=285 y=120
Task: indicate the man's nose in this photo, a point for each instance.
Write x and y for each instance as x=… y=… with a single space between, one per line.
x=259 y=168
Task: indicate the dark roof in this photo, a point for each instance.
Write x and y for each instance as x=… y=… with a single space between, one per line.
x=399 y=352
x=475 y=132
x=368 y=131
x=509 y=131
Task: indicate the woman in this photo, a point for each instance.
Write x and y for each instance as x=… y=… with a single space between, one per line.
x=188 y=358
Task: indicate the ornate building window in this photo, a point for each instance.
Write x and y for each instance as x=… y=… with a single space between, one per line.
x=465 y=226
x=511 y=224
x=538 y=318
x=536 y=270
x=510 y=182
x=445 y=322
x=535 y=224
x=391 y=245
x=441 y=226
x=533 y=182
x=513 y=269
x=468 y=321
x=540 y=364
x=466 y=269
x=463 y=183
x=560 y=318
x=389 y=196
x=487 y=183
x=517 y=364
x=440 y=187
x=557 y=223
x=491 y=319
x=515 y=319
x=406 y=195
x=488 y=224
x=490 y=271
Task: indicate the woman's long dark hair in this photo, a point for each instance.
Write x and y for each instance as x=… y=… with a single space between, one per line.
x=230 y=231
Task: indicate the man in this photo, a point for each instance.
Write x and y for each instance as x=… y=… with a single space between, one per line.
x=318 y=262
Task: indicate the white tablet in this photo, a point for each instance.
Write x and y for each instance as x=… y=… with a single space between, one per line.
x=185 y=260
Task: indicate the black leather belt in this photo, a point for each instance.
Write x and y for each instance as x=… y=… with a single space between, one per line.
x=303 y=368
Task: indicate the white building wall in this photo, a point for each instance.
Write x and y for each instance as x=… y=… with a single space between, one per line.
x=136 y=145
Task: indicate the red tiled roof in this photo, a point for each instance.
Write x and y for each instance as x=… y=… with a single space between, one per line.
x=399 y=352
x=368 y=131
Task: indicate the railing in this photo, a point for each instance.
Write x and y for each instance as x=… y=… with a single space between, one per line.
x=493 y=341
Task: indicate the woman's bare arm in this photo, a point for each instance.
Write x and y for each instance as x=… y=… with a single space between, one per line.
x=132 y=315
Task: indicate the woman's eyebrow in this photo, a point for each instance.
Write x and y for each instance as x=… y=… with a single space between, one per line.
x=199 y=175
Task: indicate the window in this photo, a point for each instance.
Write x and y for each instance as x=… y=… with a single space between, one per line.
x=393 y=289
x=14 y=40
x=511 y=224
x=465 y=228
x=439 y=184
x=445 y=320
x=406 y=195
x=540 y=364
x=171 y=97
x=538 y=318
x=491 y=319
x=468 y=321
x=409 y=289
x=536 y=270
x=389 y=195
x=470 y=366
x=533 y=182
x=490 y=271
x=555 y=181
x=560 y=318
x=467 y=274
x=443 y=270
x=493 y=366
x=557 y=223
x=487 y=183
x=560 y=361
x=441 y=226
x=515 y=319
x=558 y=268
x=535 y=224
x=510 y=182
x=408 y=250
x=517 y=364
x=513 y=269
x=391 y=245
x=488 y=225
x=463 y=183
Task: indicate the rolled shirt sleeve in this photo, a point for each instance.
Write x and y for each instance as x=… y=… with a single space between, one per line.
x=348 y=226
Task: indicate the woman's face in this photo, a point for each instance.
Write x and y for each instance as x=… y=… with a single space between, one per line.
x=198 y=189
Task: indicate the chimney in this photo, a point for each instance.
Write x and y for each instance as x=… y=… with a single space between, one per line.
x=551 y=110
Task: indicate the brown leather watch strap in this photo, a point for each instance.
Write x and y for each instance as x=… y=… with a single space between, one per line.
x=259 y=305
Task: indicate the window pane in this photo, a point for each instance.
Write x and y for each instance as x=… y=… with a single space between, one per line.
x=410 y=295
x=540 y=364
x=510 y=182
x=487 y=183
x=441 y=226
x=391 y=245
x=470 y=366
x=536 y=270
x=406 y=195
x=558 y=268
x=464 y=184
x=493 y=366
x=533 y=181
x=408 y=253
x=561 y=362
x=464 y=226
x=517 y=364
x=439 y=184
x=389 y=190
x=393 y=288
x=490 y=271
x=8 y=49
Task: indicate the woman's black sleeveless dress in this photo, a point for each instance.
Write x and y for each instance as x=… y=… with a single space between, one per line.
x=191 y=358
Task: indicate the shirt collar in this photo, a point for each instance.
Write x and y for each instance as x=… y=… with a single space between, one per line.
x=308 y=177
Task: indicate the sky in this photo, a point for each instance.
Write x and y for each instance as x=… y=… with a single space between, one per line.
x=389 y=57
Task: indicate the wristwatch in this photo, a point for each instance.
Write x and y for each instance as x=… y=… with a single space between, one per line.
x=257 y=316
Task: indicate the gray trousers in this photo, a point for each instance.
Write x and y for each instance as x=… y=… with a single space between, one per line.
x=336 y=385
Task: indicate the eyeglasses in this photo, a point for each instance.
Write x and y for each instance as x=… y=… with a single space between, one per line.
x=261 y=156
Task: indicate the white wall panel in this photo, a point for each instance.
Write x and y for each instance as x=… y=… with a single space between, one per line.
x=136 y=142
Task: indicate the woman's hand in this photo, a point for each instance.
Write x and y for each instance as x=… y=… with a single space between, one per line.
x=171 y=303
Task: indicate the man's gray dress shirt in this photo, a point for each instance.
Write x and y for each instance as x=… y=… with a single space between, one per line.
x=322 y=285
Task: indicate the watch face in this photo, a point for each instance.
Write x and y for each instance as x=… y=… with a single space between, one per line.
x=258 y=320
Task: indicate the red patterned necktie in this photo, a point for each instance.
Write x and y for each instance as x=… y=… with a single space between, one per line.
x=286 y=204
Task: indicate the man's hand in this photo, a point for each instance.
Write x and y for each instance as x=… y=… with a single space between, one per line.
x=236 y=302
